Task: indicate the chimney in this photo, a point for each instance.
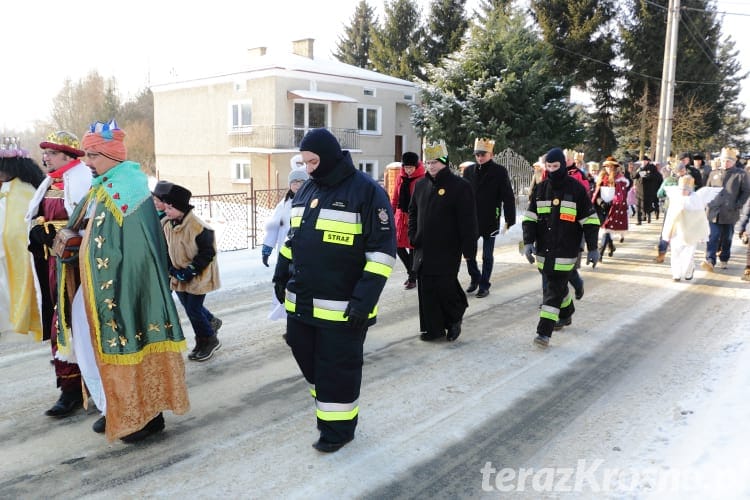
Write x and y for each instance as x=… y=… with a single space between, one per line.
x=303 y=47
x=257 y=51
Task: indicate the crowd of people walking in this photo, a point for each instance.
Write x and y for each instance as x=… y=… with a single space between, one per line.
x=91 y=258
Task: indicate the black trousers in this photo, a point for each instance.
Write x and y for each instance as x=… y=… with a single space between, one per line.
x=331 y=361
x=442 y=302
x=557 y=302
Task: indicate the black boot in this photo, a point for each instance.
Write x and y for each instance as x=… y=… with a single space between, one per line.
x=154 y=425
x=68 y=402
x=611 y=247
x=209 y=345
x=194 y=352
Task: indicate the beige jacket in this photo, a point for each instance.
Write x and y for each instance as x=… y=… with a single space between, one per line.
x=183 y=249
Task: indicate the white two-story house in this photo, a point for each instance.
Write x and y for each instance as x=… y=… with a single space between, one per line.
x=219 y=132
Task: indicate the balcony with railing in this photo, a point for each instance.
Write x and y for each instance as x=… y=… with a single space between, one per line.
x=285 y=137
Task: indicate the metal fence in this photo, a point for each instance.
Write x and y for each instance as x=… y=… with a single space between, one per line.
x=228 y=215
x=263 y=202
x=239 y=219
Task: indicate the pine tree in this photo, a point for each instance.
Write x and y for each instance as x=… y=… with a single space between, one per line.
x=502 y=85
x=353 y=46
x=446 y=26
x=397 y=46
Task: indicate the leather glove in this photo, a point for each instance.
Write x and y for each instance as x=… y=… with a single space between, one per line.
x=357 y=320
x=279 y=289
x=528 y=251
x=43 y=235
x=265 y=253
x=592 y=258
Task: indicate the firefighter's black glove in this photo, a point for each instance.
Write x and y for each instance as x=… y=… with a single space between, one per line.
x=279 y=289
x=356 y=319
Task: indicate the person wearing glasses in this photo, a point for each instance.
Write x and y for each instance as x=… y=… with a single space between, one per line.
x=493 y=194
x=67 y=181
x=130 y=352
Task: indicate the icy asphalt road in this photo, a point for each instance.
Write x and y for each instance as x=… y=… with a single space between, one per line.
x=642 y=358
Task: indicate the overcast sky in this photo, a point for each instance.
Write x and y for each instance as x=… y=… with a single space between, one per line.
x=144 y=42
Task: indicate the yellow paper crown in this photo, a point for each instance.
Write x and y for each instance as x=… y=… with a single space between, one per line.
x=484 y=144
x=578 y=156
x=64 y=138
x=435 y=150
x=569 y=154
x=728 y=154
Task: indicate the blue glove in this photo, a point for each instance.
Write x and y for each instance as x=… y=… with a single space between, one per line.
x=185 y=275
x=528 y=251
x=265 y=253
x=356 y=319
x=593 y=258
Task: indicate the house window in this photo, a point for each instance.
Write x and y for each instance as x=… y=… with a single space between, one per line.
x=370 y=167
x=309 y=115
x=368 y=119
x=241 y=115
x=241 y=170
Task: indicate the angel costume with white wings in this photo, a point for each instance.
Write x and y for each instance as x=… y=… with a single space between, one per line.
x=686 y=224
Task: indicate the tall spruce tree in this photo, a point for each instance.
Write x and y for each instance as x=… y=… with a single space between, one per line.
x=580 y=37
x=446 y=26
x=502 y=85
x=353 y=47
x=396 y=48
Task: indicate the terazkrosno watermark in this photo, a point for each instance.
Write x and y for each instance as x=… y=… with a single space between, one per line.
x=591 y=476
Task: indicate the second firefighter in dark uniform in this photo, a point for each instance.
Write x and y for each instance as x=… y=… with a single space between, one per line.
x=560 y=213
x=330 y=273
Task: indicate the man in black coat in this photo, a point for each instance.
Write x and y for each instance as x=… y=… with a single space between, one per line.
x=442 y=228
x=493 y=193
x=647 y=180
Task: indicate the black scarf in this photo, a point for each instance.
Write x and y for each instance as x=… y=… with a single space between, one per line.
x=404 y=195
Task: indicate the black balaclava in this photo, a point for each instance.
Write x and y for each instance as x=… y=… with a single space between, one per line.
x=321 y=142
x=557 y=177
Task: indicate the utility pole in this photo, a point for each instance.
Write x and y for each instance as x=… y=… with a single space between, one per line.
x=666 y=102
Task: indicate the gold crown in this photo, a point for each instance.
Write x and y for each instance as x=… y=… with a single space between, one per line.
x=728 y=154
x=578 y=156
x=63 y=138
x=483 y=144
x=435 y=150
x=569 y=154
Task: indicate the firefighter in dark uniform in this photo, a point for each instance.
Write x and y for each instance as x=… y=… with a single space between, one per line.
x=560 y=213
x=339 y=253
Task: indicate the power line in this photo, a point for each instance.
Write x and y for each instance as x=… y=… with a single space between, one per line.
x=630 y=71
x=684 y=19
x=663 y=7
